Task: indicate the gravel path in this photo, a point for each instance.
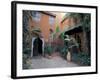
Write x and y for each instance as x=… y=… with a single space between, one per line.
x=54 y=62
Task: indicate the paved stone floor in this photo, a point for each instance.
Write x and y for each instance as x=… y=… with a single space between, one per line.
x=54 y=62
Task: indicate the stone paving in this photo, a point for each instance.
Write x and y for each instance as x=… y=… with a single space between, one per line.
x=54 y=62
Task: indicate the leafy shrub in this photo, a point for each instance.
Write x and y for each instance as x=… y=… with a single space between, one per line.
x=48 y=49
x=25 y=58
x=64 y=51
x=85 y=59
x=27 y=51
x=81 y=58
x=61 y=36
x=26 y=62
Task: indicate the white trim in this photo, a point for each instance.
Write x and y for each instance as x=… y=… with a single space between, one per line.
x=42 y=46
x=32 y=46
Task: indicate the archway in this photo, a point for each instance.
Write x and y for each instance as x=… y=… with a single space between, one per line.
x=37 y=46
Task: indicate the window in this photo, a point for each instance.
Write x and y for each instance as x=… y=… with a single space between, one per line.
x=51 y=20
x=36 y=16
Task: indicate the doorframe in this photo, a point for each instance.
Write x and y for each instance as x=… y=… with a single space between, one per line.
x=32 y=46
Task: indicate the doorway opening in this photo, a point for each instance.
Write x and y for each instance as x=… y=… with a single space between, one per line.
x=37 y=46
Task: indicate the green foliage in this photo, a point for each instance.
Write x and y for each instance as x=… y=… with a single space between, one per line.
x=57 y=29
x=54 y=35
x=25 y=65
x=62 y=36
x=24 y=58
x=27 y=51
x=56 y=32
x=26 y=38
x=82 y=59
x=64 y=51
x=85 y=19
x=87 y=22
x=48 y=49
x=85 y=59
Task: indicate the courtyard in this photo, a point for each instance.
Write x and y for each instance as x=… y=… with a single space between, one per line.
x=56 y=39
x=40 y=62
x=54 y=62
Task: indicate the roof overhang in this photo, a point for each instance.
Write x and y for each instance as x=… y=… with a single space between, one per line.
x=77 y=28
x=48 y=13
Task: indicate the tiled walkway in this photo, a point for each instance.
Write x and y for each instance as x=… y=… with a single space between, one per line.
x=54 y=62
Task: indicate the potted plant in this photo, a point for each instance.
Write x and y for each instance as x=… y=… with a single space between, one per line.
x=48 y=50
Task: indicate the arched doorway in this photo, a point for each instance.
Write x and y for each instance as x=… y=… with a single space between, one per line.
x=37 y=46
